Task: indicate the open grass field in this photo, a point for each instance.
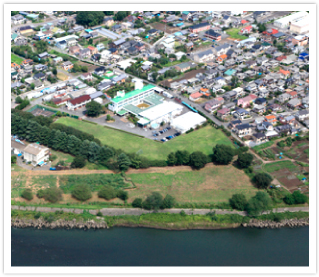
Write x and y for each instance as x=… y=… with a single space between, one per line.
x=233 y=32
x=16 y=59
x=203 y=140
x=211 y=184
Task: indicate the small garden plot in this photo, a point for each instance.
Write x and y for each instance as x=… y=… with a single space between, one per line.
x=276 y=166
x=43 y=182
x=263 y=146
x=18 y=183
x=269 y=154
x=95 y=181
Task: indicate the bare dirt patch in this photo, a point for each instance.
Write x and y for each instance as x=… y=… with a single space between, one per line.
x=187 y=75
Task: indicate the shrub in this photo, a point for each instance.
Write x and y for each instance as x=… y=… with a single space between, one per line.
x=49 y=217
x=289 y=199
x=27 y=194
x=37 y=215
x=223 y=154
x=122 y=194
x=107 y=192
x=99 y=213
x=52 y=195
x=244 y=160
x=82 y=192
x=198 y=159
x=153 y=201
x=40 y=193
x=137 y=203
x=299 y=197
x=182 y=213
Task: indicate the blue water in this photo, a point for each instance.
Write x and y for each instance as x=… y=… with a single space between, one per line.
x=151 y=247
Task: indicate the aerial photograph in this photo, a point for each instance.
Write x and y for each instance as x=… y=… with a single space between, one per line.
x=159 y=138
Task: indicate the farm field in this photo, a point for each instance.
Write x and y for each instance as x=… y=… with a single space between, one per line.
x=203 y=140
x=16 y=59
x=211 y=184
x=233 y=32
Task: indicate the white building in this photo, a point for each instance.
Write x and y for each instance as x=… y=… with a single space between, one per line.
x=287 y=20
x=168 y=42
x=125 y=64
x=300 y=26
x=36 y=154
x=187 y=121
x=162 y=112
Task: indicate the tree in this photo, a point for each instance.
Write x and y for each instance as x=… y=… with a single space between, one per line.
x=183 y=58
x=262 y=180
x=27 y=194
x=93 y=152
x=281 y=144
x=19 y=100
x=123 y=161
x=259 y=203
x=168 y=202
x=32 y=86
x=54 y=71
x=90 y=41
x=78 y=162
x=108 y=117
x=223 y=154
x=122 y=194
x=171 y=159
x=238 y=201
x=289 y=141
x=198 y=159
x=93 y=109
x=234 y=81
x=119 y=16
x=89 y=18
x=13 y=159
x=182 y=157
x=299 y=197
x=289 y=199
x=153 y=201
x=107 y=192
x=81 y=192
x=137 y=203
x=245 y=159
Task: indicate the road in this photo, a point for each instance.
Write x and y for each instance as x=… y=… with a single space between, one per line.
x=137 y=211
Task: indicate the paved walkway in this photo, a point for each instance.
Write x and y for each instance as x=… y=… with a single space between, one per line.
x=136 y=211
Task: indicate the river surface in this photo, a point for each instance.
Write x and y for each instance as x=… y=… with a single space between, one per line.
x=151 y=247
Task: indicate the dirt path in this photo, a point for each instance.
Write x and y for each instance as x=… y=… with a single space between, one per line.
x=57 y=182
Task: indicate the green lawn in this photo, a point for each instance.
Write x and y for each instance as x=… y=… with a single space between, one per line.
x=233 y=32
x=16 y=59
x=203 y=140
x=272 y=167
x=212 y=184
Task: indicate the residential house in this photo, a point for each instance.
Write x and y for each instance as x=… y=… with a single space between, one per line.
x=246 y=30
x=214 y=104
x=36 y=154
x=204 y=56
x=259 y=138
x=283 y=97
x=260 y=109
x=241 y=114
x=293 y=94
x=195 y=96
x=222 y=113
x=213 y=35
x=78 y=102
x=265 y=126
x=233 y=124
x=302 y=115
x=73 y=50
x=84 y=53
x=61 y=44
x=17 y=19
x=92 y=49
x=87 y=77
x=40 y=67
x=246 y=101
x=284 y=129
x=243 y=130
x=182 y=67
x=271 y=119
x=67 y=65
x=100 y=71
x=57 y=60
x=108 y=21
x=39 y=76
x=43 y=55
x=294 y=103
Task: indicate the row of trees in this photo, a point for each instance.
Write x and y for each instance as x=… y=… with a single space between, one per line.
x=155 y=201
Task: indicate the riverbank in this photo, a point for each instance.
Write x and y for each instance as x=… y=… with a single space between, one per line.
x=167 y=221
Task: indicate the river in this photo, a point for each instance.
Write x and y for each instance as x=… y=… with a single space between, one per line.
x=152 y=247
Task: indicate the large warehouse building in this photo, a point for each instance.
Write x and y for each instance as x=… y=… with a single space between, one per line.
x=187 y=121
x=288 y=20
x=300 y=26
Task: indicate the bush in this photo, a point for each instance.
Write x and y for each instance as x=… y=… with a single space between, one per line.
x=223 y=154
x=107 y=192
x=37 y=215
x=82 y=192
x=13 y=159
x=244 y=160
x=153 y=201
x=168 y=202
x=259 y=203
x=262 y=180
x=78 y=162
x=40 y=193
x=122 y=194
x=99 y=213
x=52 y=195
x=27 y=194
x=137 y=203
x=289 y=199
x=299 y=197
x=238 y=201
x=198 y=159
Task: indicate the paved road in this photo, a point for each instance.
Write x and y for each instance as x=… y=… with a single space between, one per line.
x=137 y=211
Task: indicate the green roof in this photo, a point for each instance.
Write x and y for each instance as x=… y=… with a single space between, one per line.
x=132 y=93
x=14 y=36
x=122 y=112
x=230 y=72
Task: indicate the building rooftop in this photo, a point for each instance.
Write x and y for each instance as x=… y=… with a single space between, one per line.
x=132 y=93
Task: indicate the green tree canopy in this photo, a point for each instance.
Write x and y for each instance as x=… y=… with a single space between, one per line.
x=27 y=194
x=259 y=203
x=107 y=192
x=223 y=154
x=245 y=159
x=171 y=159
x=168 y=202
x=262 y=180
x=90 y=18
x=123 y=161
x=153 y=201
x=78 y=162
x=198 y=159
x=238 y=201
x=182 y=157
x=93 y=108
x=137 y=203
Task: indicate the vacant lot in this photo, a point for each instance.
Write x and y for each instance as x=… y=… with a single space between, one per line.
x=186 y=76
x=233 y=32
x=16 y=59
x=62 y=76
x=211 y=184
x=203 y=140
x=165 y=28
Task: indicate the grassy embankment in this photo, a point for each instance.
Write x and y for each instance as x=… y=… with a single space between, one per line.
x=203 y=140
x=16 y=59
x=161 y=220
